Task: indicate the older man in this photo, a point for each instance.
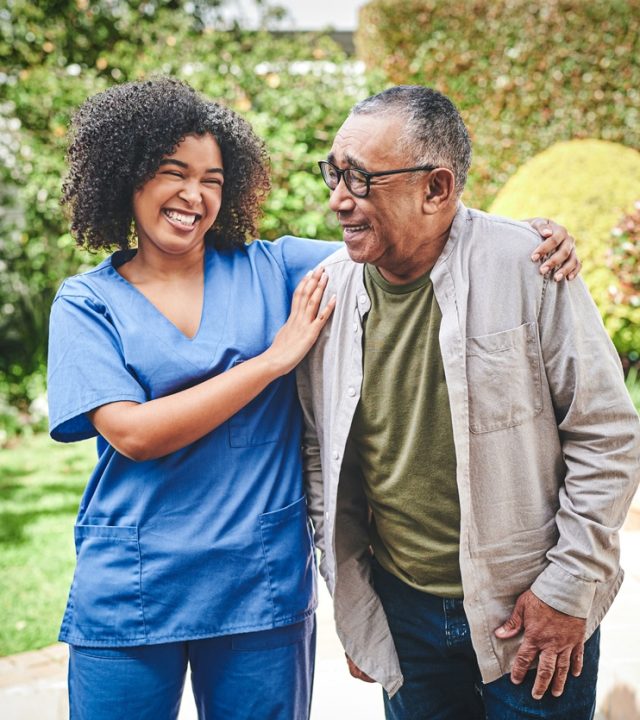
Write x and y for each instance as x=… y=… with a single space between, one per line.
x=471 y=450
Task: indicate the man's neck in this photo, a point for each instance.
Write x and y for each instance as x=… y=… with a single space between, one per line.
x=405 y=270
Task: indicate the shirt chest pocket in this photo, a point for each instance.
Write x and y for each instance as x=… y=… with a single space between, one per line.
x=504 y=381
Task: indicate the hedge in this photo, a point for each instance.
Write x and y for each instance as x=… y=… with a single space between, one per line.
x=524 y=74
x=588 y=185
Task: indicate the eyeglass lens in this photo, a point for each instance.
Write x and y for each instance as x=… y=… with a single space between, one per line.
x=355 y=181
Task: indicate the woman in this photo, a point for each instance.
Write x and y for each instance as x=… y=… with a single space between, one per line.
x=192 y=536
x=192 y=540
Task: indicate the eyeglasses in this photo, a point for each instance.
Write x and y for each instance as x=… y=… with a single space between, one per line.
x=358 y=182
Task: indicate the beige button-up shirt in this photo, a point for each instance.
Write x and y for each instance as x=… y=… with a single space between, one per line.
x=546 y=438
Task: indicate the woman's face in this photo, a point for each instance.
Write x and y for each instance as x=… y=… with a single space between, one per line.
x=180 y=203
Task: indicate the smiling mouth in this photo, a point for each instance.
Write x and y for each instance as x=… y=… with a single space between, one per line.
x=352 y=229
x=186 y=220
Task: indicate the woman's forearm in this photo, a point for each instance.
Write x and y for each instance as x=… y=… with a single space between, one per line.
x=144 y=431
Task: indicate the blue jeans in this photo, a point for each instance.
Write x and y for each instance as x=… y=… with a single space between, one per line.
x=263 y=675
x=441 y=675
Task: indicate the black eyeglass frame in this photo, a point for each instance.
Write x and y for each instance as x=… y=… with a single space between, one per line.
x=344 y=175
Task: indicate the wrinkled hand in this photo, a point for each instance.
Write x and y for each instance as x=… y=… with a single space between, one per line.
x=296 y=337
x=356 y=672
x=564 y=261
x=556 y=639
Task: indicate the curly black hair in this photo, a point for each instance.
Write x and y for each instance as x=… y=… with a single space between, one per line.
x=117 y=140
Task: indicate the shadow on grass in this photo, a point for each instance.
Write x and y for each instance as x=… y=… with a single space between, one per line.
x=13 y=525
x=37 y=502
x=13 y=472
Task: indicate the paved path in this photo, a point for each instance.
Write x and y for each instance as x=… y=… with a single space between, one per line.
x=33 y=685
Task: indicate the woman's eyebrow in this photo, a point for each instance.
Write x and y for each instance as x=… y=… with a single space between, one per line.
x=179 y=163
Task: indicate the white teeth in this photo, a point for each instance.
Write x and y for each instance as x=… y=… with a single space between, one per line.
x=179 y=217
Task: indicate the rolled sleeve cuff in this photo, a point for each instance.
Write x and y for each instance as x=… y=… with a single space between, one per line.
x=564 y=592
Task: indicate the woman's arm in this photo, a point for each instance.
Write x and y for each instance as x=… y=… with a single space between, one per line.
x=144 y=431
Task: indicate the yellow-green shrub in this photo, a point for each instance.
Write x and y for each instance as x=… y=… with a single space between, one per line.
x=624 y=260
x=587 y=185
x=524 y=74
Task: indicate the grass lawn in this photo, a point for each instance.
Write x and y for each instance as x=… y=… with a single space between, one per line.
x=40 y=487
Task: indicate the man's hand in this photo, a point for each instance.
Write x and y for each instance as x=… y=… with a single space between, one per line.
x=557 y=639
x=356 y=672
x=563 y=261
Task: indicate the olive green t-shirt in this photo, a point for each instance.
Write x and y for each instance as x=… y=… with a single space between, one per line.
x=403 y=439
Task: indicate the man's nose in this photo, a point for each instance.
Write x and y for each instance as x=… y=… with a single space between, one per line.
x=341 y=198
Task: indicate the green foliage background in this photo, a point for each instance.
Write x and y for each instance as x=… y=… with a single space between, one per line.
x=600 y=181
x=54 y=54
x=525 y=75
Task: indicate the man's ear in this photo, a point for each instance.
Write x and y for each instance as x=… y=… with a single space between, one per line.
x=439 y=191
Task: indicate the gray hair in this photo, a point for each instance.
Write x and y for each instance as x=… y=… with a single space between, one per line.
x=434 y=134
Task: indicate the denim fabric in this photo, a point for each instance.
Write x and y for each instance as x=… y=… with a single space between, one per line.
x=265 y=675
x=441 y=676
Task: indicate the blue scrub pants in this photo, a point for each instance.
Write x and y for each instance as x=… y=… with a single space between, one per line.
x=441 y=675
x=264 y=675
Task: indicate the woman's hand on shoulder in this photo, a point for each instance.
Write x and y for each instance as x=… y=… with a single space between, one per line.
x=297 y=336
x=557 y=251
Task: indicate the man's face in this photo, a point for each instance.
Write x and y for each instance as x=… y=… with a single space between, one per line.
x=383 y=228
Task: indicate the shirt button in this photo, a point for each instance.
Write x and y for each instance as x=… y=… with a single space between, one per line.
x=335 y=454
x=355 y=327
x=351 y=392
x=326 y=515
x=363 y=299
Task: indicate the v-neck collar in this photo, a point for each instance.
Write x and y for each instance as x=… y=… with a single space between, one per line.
x=120 y=257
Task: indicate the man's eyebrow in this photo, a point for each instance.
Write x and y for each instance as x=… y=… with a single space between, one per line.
x=179 y=163
x=349 y=159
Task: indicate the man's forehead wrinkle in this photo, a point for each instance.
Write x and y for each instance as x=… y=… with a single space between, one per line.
x=368 y=142
x=341 y=152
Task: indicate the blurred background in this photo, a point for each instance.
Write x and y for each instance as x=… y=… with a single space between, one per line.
x=550 y=91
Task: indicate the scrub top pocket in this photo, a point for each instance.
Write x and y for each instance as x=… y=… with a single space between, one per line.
x=255 y=423
x=288 y=549
x=105 y=602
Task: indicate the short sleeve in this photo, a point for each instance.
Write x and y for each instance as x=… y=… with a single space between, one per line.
x=299 y=255
x=86 y=366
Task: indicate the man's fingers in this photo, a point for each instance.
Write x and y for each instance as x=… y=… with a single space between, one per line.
x=577 y=659
x=523 y=661
x=356 y=672
x=544 y=674
x=563 y=662
x=512 y=626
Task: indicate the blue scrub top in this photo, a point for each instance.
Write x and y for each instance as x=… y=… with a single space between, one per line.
x=212 y=539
